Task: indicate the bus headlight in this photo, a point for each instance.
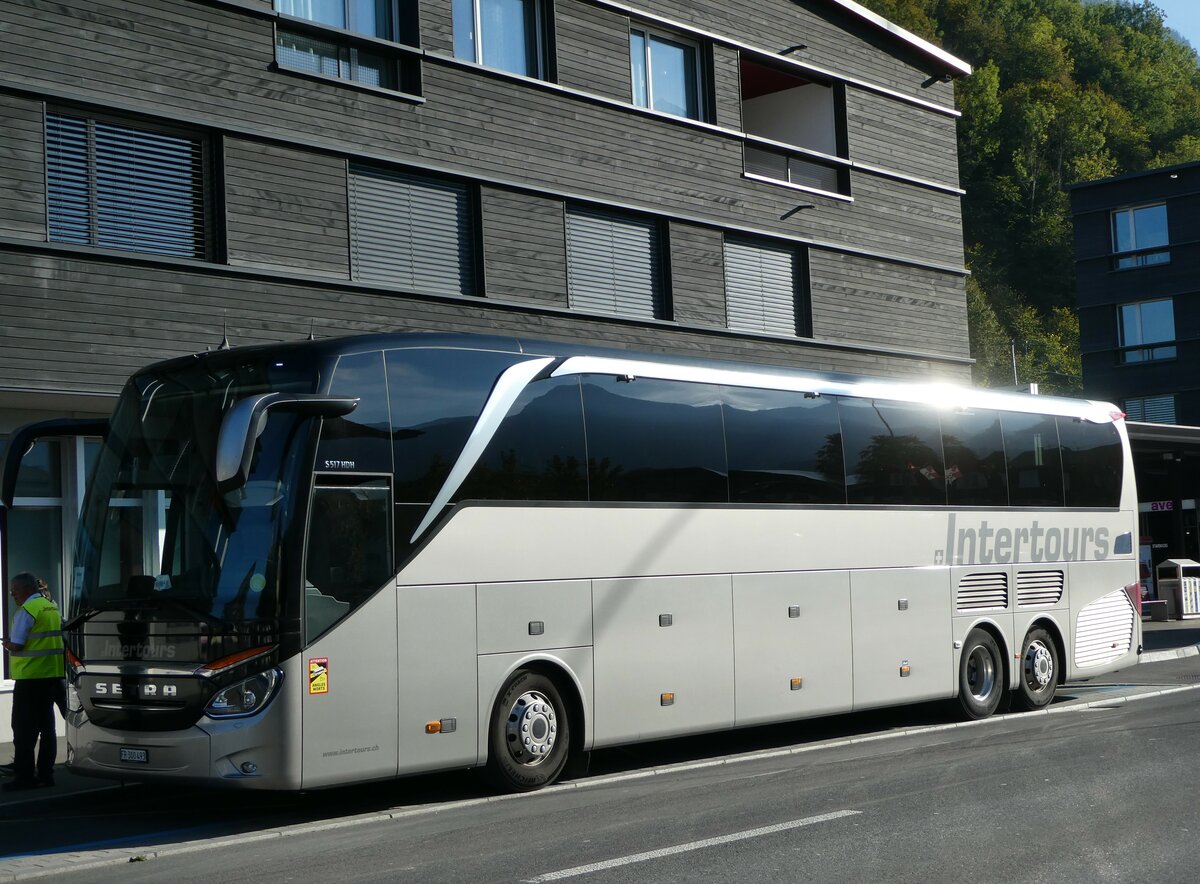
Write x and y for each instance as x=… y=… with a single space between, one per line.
x=245 y=697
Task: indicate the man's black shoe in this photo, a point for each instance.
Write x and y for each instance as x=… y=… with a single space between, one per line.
x=19 y=785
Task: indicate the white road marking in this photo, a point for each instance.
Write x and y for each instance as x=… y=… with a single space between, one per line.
x=691 y=845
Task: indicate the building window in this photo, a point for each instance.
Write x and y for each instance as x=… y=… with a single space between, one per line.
x=781 y=108
x=319 y=51
x=506 y=34
x=121 y=187
x=1147 y=331
x=385 y=19
x=412 y=232
x=313 y=55
x=614 y=264
x=1140 y=236
x=1151 y=409
x=666 y=74
x=766 y=288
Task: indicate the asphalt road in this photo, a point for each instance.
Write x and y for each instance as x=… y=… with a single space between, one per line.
x=1100 y=792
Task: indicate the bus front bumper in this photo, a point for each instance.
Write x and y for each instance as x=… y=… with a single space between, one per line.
x=246 y=753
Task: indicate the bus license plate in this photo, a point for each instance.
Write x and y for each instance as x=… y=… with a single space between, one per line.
x=137 y=756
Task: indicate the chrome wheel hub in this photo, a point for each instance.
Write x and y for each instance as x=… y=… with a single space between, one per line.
x=532 y=728
x=1039 y=665
x=981 y=674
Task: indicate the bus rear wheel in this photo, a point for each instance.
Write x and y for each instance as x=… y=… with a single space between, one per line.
x=1039 y=670
x=530 y=735
x=980 y=675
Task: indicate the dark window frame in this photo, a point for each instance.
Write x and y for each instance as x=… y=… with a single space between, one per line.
x=207 y=182
x=542 y=53
x=802 y=322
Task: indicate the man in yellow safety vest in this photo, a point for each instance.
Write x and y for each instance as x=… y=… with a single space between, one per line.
x=37 y=667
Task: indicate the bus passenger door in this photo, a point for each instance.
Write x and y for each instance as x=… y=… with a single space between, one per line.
x=350 y=697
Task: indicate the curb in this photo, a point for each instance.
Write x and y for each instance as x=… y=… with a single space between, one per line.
x=1169 y=654
x=54 y=864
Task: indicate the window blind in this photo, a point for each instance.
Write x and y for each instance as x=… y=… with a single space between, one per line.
x=411 y=232
x=124 y=188
x=760 y=287
x=614 y=263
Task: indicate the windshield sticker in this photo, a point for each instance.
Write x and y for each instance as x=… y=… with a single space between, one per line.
x=257 y=583
x=162 y=582
x=318 y=675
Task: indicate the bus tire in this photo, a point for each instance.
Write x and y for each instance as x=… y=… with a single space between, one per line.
x=980 y=675
x=1039 y=670
x=530 y=734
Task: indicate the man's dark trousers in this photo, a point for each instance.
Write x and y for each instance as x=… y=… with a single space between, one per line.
x=33 y=718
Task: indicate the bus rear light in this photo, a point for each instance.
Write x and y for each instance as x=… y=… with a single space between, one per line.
x=1134 y=591
x=208 y=670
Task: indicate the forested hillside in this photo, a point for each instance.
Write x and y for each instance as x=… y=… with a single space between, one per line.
x=1063 y=91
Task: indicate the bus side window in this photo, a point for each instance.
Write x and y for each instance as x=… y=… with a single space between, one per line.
x=538 y=451
x=1092 y=463
x=349 y=555
x=652 y=440
x=783 y=447
x=893 y=453
x=360 y=441
x=1034 y=465
x=976 y=473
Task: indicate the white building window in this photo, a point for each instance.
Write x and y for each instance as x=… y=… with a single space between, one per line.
x=666 y=74
x=509 y=35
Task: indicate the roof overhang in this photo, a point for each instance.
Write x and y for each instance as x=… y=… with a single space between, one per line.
x=956 y=65
x=1163 y=434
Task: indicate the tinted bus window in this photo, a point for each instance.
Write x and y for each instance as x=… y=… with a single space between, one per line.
x=437 y=395
x=654 y=440
x=783 y=448
x=538 y=451
x=361 y=440
x=976 y=472
x=1092 y=460
x=893 y=453
x=1034 y=465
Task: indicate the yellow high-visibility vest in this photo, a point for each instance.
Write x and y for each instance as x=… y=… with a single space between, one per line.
x=42 y=656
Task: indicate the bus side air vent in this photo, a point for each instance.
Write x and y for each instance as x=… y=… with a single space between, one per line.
x=1039 y=589
x=982 y=592
x=1104 y=630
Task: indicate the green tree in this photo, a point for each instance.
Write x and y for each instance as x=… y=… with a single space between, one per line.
x=1063 y=92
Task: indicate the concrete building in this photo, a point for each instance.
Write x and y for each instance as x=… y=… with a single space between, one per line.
x=772 y=181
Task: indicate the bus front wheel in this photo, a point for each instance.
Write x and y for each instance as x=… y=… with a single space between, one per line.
x=980 y=675
x=530 y=735
x=1039 y=670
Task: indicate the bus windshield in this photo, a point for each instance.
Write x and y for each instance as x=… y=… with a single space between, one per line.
x=156 y=535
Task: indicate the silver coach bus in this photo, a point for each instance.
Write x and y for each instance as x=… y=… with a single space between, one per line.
x=347 y=560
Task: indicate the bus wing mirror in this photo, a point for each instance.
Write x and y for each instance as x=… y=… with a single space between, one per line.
x=21 y=442
x=244 y=423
